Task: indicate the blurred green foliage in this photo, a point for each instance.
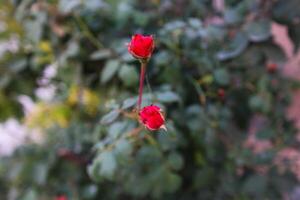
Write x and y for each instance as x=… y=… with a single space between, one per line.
x=94 y=148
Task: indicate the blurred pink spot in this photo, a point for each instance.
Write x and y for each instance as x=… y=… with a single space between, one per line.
x=291 y=69
x=294 y=109
x=13 y=134
x=280 y=37
x=257 y=146
x=219 y=5
x=288 y=159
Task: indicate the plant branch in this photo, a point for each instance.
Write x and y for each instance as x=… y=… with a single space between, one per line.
x=86 y=32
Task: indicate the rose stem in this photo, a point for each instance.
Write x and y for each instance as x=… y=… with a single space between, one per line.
x=142 y=78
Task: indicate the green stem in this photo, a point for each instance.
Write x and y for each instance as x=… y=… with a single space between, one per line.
x=142 y=78
x=87 y=32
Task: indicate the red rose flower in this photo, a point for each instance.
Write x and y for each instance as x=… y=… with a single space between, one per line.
x=61 y=197
x=271 y=67
x=221 y=93
x=152 y=117
x=141 y=46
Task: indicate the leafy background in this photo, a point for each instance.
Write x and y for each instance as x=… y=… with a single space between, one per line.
x=68 y=87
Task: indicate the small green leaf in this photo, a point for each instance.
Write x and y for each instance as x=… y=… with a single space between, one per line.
x=40 y=171
x=108 y=164
x=100 y=54
x=259 y=31
x=110 y=117
x=207 y=79
x=232 y=16
x=123 y=146
x=128 y=103
x=116 y=129
x=255 y=185
x=128 y=75
x=109 y=70
x=30 y=195
x=90 y=191
x=72 y=49
x=173 y=181
x=94 y=5
x=167 y=97
x=265 y=134
x=234 y=48
x=18 y=65
x=175 y=161
x=260 y=103
x=66 y=6
x=221 y=76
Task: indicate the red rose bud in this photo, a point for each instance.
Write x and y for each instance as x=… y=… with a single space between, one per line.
x=61 y=197
x=221 y=93
x=271 y=67
x=141 y=47
x=152 y=118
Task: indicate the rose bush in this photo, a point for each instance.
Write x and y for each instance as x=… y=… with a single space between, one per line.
x=66 y=74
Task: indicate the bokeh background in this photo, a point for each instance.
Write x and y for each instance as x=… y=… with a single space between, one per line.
x=226 y=73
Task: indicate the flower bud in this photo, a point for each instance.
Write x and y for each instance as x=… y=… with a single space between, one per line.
x=221 y=93
x=271 y=67
x=61 y=197
x=152 y=118
x=141 y=46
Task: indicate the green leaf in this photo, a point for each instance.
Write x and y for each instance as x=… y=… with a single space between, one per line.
x=140 y=18
x=109 y=70
x=66 y=6
x=232 y=16
x=255 y=185
x=110 y=117
x=72 y=49
x=90 y=191
x=116 y=129
x=260 y=103
x=167 y=97
x=128 y=103
x=273 y=52
x=222 y=76
x=175 y=161
x=30 y=195
x=234 y=48
x=108 y=164
x=34 y=30
x=128 y=75
x=173 y=182
x=123 y=146
x=18 y=65
x=101 y=54
x=195 y=23
x=41 y=171
x=259 y=31
x=286 y=11
x=94 y=5
x=265 y=134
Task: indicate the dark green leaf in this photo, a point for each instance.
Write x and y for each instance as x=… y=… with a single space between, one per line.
x=259 y=31
x=221 y=76
x=167 y=97
x=101 y=54
x=128 y=75
x=109 y=70
x=110 y=117
x=234 y=48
